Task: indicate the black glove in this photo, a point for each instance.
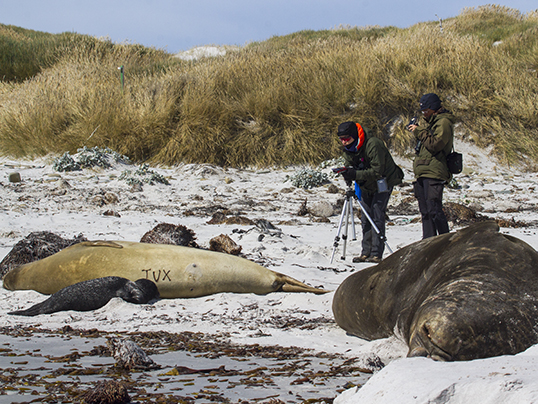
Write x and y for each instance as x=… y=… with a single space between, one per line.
x=350 y=174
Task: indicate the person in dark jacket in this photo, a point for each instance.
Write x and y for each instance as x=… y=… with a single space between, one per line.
x=435 y=138
x=368 y=161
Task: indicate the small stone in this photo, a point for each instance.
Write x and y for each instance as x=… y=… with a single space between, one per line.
x=223 y=243
x=14 y=177
x=110 y=197
x=333 y=189
x=137 y=188
x=321 y=209
x=111 y=213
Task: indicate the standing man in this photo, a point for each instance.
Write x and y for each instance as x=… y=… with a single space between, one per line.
x=434 y=141
x=368 y=161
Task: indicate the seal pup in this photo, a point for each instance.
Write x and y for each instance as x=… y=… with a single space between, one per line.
x=94 y=294
x=176 y=270
x=458 y=296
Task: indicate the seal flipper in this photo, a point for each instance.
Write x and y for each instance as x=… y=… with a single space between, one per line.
x=289 y=284
x=35 y=310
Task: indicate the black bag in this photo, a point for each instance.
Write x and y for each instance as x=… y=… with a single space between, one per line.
x=454 y=162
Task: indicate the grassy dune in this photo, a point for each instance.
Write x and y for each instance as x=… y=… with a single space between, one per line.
x=276 y=102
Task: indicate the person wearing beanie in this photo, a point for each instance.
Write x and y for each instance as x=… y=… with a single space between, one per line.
x=368 y=160
x=435 y=137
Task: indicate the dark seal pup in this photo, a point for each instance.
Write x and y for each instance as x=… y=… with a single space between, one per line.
x=94 y=294
x=458 y=296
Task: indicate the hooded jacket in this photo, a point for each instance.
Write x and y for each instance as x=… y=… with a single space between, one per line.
x=372 y=162
x=436 y=140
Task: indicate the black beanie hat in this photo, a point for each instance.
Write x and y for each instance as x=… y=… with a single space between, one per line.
x=348 y=129
x=430 y=101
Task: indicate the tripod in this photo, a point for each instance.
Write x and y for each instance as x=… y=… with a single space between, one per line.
x=346 y=217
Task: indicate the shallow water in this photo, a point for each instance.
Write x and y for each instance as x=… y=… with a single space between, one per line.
x=58 y=368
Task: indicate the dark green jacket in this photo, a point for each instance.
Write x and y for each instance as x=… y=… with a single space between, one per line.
x=372 y=162
x=437 y=138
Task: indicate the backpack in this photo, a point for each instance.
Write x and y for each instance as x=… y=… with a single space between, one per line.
x=454 y=162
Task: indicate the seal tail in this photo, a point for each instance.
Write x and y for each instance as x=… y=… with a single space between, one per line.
x=293 y=285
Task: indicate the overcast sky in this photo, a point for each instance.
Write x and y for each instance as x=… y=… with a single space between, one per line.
x=176 y=25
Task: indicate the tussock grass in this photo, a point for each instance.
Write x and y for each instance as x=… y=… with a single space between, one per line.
x=279 y=102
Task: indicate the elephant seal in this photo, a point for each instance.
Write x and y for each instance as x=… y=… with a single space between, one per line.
x=176 y=270
x=458 y=296
x=94 y=294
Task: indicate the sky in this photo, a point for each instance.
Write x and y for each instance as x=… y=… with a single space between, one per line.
x=179 y=25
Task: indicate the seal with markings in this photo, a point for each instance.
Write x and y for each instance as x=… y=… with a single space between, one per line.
x=458 y=296
x=94 y=294
x=176 y=270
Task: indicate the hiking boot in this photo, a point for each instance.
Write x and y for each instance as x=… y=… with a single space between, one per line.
x=362 y=258
x=374 y=259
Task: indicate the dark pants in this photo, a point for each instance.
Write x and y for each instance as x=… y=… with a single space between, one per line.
x=376 y=206
x=429 y=194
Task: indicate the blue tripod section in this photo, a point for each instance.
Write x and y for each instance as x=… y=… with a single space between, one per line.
x=358 y=191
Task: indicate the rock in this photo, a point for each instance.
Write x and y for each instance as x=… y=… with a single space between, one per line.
x=111 y=213
x=14 y=177
x=221 y=218
x=129 y=355
x=225 y=244
x=107 y=392
x=98 y=200
x=35 y=246
x=166 y=233
x=137 y=187
x=217 y=218
x=333 y=189
x=408 y=206
x=458 y=213
x=303 y=210
x=321 y=209
x=63 y=184
x=110 y=197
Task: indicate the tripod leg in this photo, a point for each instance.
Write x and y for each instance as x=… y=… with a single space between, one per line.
x=383 y=238
x=337 y=238
x=347 y=206
x=353 y=233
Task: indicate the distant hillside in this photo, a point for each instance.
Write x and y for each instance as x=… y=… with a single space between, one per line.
x=275 y=102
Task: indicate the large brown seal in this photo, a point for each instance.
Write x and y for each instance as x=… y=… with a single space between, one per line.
x=458 y=296
x=177 y=271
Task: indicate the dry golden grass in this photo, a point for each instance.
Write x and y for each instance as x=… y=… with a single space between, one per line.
x=272 y=104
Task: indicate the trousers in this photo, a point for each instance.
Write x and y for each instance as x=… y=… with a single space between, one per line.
x=376 y=206
x=429 y=194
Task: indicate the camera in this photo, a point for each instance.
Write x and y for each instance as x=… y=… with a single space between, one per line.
x=413 y=121
x=339 y=170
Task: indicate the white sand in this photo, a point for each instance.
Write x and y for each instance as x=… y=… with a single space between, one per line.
x=69 y=204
